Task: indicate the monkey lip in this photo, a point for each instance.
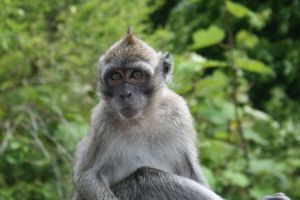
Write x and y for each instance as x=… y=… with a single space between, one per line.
x=128 y=112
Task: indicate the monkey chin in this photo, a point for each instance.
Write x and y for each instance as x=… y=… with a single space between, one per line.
x=129 y=113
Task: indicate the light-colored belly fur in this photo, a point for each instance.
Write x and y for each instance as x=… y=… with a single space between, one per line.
x=125 y=154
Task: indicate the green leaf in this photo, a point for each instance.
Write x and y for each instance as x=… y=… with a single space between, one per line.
x=237 y=9
x=252 y=135
x=261 y=189
x=187 y=68
x=213 y=63
x=256 y=20
x=217 y=151
x=207 y=37
x=190 y=63
x=236 y=178
x=261 y=166
x=246 y=39
x=212 y=84
x=209 y=175
x=260 y=115
x=253 y=66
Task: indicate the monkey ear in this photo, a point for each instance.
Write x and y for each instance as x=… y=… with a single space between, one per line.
x=167 y=67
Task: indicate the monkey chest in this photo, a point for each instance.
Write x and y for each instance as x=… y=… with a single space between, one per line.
x=123 y=157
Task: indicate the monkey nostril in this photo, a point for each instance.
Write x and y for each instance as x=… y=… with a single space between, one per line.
x=124 y=96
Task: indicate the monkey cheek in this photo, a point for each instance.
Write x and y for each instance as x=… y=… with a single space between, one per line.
x=129 y=112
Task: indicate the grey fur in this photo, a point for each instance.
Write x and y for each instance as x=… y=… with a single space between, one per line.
x=150 y=156
x=149 y=184
x=278 y=196
x=115 y=147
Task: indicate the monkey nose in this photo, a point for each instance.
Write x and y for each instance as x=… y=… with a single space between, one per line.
x=125 y=95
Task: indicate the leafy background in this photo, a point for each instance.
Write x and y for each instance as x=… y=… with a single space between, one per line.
x=236 y=63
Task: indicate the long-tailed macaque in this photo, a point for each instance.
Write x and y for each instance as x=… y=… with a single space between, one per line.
x=141 y=143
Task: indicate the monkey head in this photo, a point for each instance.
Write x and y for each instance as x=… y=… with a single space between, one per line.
x=130 y=73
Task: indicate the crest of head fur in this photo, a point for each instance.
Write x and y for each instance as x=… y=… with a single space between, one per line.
x=130 y=36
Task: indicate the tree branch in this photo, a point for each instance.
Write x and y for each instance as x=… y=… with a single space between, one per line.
x=8 y=135
x=234 y=83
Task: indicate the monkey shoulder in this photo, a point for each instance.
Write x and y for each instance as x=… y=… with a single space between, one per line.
x=175 y=111
x=87 y=148
x=173 y=103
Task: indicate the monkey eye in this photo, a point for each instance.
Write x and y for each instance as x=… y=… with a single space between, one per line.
x=137 y=74
x=115 y=76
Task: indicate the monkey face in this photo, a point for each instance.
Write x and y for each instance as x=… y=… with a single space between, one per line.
x=130 y=73
x=128 y=91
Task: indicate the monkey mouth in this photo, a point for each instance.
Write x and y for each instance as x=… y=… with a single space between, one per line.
x=128 y=112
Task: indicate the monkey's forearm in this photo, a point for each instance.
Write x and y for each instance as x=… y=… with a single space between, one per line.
x=278 y=196
x=92 y=187
x=148 y=183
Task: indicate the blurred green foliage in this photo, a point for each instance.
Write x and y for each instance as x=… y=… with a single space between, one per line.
x=236 y=63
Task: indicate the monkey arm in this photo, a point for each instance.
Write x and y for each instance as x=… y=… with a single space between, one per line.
x=197 y=175
x=148 y=184
x=91 y=185
x=194 y=167
x=278 y=196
